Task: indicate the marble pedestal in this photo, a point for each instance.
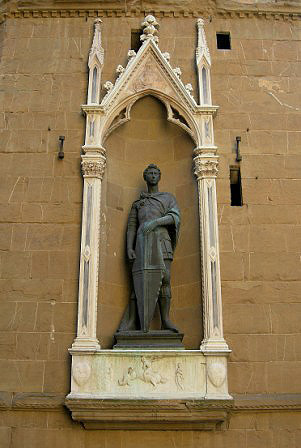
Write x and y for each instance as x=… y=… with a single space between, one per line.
x=119 y=389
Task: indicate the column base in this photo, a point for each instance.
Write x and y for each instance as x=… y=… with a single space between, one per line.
x=85 y=344
x=215 y=346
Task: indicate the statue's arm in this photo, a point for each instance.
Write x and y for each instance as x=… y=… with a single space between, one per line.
x=151 y=225
x=131 y=233
x=165 y=220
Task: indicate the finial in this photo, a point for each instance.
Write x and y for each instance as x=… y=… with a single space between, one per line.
x=108 y=85
x=178 y=71
x=202 y=48
x=150 y=30
x=96 y=48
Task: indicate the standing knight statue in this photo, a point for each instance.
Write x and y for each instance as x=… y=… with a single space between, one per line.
x=152 y=233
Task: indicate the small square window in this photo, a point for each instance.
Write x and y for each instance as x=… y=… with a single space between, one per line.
x=223 y=41
x=235 y=186
x=135 y=40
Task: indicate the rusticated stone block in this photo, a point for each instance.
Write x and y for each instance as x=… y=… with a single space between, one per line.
x=21 y=376
x=247 y=318
x=24 y=317
x=5 y=436
x=18 y=238
x=274 y=266
x=291 y=324
x=44 y=237
x=56 y=380
x=36 y=437
x=234 y=266
x=32 y=346
x=259 y=438
x=57 y=213
x=283 y=377
x=274 y=214
x=268 y=238
x=40 y=265
x=5 y=236
x=64 y=317
x=7 y=345
x=44 y=317
x=245 y=378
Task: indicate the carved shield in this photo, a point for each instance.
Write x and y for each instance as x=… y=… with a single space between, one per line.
x=217 y=373
x=81 y=372
x=147 y=276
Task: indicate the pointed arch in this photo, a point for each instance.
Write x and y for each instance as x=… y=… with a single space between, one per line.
x=175 y=113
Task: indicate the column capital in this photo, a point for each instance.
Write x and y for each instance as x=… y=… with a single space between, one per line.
x=93 y=165
x=205 y=166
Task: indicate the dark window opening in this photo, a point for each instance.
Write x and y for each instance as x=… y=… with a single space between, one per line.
x=223 y=41
x=235 y=185
x=135 y=40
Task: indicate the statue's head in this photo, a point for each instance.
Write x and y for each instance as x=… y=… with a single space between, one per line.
x=152 y=174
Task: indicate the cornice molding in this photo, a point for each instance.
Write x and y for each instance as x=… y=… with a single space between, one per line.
x=248 y=402
x=264 y=402
x=30 y=400
x=280 y=10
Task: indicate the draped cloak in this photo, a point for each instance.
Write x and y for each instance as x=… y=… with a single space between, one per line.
x=151 y=250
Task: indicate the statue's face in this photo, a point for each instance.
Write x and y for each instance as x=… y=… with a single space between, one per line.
x=152 y=176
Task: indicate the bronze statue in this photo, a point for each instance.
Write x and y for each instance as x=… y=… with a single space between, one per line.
x=152 y=234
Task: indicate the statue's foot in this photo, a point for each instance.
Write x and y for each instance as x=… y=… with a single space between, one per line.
x=168 y=325
x=129 y=327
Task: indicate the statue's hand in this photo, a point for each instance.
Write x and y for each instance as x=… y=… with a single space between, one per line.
x=149 y=226
x=131 y=254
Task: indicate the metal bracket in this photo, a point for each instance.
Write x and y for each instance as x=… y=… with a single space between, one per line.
x=238 y=155
x=61 y=154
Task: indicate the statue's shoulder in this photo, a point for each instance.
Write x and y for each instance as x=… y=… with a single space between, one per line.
x=168 y=196
x=137 y=201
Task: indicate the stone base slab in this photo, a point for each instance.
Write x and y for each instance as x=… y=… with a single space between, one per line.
x=149 y=414
x=162 y=339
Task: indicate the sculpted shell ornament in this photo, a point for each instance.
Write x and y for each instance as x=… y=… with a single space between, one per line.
x=217 y=373
x=81 y=372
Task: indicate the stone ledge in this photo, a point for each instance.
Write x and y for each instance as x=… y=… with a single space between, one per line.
x=30 y=400
x=267 y=402
x=149 y=414
x=240 y=402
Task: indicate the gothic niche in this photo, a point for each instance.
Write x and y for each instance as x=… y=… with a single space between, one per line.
x=148 y=137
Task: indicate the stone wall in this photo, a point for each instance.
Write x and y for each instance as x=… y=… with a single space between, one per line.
x=256 y=85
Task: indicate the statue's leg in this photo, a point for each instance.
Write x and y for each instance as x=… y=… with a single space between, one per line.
x=165 y=299
x=132 y=312
x=129 y=320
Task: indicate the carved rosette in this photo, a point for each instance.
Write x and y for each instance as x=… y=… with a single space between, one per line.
x=205 y=167
x=93 y=167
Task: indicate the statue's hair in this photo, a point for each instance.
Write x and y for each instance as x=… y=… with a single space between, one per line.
x=150 y=167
